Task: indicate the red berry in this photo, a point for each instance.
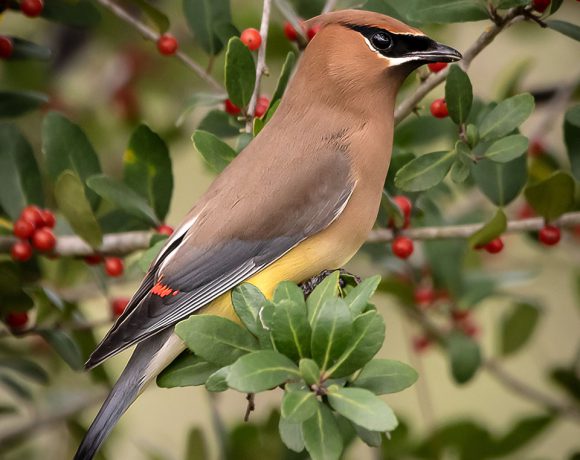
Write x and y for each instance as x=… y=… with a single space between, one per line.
x=290 y=32
x=310 y=33
x=93 y=259
x=421 y=343
x=33 y=215
x=541 y=5
x=44 y=240
x=6 y=47
x=232 y=108
x=402 y=247
x=118 y=306
x=48 y=219
x=261 y=106
x=424 y=296
x=437 y=66
x=536 y=148
x=439 y=108
x=550 y=235
x=165 y=230
x=31 y=8
x=21 y=251
x=469 y=328
x=494 y=246
x=167 y=44
x=251 y=38
x=23 y=229
x=114 y=266
x=16 y=319
x=405 y=206
x=460 y=315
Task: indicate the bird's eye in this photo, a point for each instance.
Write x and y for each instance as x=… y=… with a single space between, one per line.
x=381 y=41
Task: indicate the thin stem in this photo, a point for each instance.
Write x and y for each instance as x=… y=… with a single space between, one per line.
x=261 y=64
x=329 y=6
x=151 y=34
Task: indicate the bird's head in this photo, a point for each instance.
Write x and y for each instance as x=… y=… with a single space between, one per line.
x=361 y=48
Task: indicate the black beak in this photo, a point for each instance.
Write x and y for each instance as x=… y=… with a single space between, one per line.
x=437 y=52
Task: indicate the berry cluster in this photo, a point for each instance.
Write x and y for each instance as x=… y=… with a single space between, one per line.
x=33 y=229
x=402 y=246
x=262 y=105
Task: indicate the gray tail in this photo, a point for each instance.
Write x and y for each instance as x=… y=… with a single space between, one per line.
x=125 y=391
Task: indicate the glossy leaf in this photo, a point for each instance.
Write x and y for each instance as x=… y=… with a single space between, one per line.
x=331 y=332
x=24 y=49
x=385 y=376
x=217 y=381
x=359 y=298
x=147 y=169
x=490 y=231
x=64 y=346
x=507 y=148
x=517 y=327
x=220 y=123
x=362 y=407
x=204 y=17
x=216 y=339
x=572 y=138
x=500 y=182
x=16 y=103
x=240 y=72
x=370 y=438
x=465 y=357
x=327 y=289
x=261 y=371
x=186 y=370
x=284 y=78
x=565 y=28
x=290 y=329
x=321 y=435
x=288 y=291
x=310 y=371
x=123 y=197
x=298 y=405
x=247 y=301
x=458 y=94
x=506 y=116
x=446 y=11
x=66 y=147
x=424 y=172
x=19 y=173
x=553 y=196
x=70 y=197
x=81 y=13
x=291 y=435
x=215 y=152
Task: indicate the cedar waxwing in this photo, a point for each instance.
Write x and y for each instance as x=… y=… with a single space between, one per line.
x=301 y=198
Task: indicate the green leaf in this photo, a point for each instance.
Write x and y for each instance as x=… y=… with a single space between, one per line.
x=64 y=346
x=459 y=171
x=424 y=172
x=465 y=357
x=555 y=6
x=218 y=381
x=25 y=368
x=501 y=182
x=327 y=289
x=67 y=147
x=247 y=301
x=69 y=194
x=572 y=138
x=368 y=335
x=147 y=169
x=291 y=435
x=565 y=28
x=331 y=332
x=458 y=94
x=16 y=387
x=19 y=174
x=290 y=329
x=287 y=290
x=150 y=255
x=261 y=371
x=217 y=340
x=23 y=49
x=155 y=16
x=123 y=198
x=186 y=370
x=220 y=123
x=204 y=18
x=522 y=433
x=506 y=116
x=359 y=298
x=16 y=103
x=446 y=11
x=199 y=100
x=215 y=152
x=81 y=13
x=298 y=405
x=321 y=435
x=553 y=196
x=310 y=371
x=507 y=148
x=196 y=446
x=285 y=75
x=370 y=438
x=517 y=326
x=240 y=72
x=490 y=231
x=363 y=408
x=385 y=376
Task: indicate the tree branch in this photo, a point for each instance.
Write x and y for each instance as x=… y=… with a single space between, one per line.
x=329 y=6
x=261 y=64
x=435 y=79
x=151 y=34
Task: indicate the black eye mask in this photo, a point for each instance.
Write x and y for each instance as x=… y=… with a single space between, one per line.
x=393 y=45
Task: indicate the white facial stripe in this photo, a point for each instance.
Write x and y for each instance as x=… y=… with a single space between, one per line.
x=392 y=61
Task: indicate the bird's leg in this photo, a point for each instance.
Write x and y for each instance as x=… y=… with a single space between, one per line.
x=309 y=285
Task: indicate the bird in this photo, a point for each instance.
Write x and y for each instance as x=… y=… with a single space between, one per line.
x=300 y=199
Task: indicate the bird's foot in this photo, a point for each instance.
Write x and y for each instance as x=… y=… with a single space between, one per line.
x=309 y=285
